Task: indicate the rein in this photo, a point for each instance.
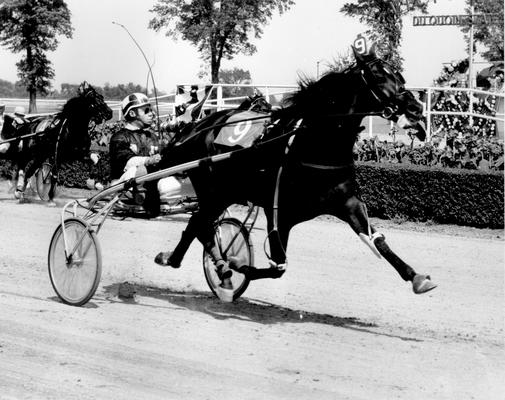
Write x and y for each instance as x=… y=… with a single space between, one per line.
x=21 y=137
x=239 y=121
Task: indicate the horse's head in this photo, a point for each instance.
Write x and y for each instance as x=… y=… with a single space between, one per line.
x=93 y=102
x=257 y=102
x=74 y=119
x=387 y=87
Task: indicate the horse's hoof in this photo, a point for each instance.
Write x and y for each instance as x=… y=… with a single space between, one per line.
x=235 y=263
x=163 y=259
x=225 y=291
x=276 y=273
x=422 y=284
x=223 y=271
x=51 y=203
x=18 y=194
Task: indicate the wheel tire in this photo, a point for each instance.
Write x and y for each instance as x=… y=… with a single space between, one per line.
x=45 y=181
x=225 y=231
x=75 y=283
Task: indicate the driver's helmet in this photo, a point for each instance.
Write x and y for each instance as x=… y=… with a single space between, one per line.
x=133 y=101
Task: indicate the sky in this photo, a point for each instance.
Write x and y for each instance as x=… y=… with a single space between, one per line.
x=311 y=31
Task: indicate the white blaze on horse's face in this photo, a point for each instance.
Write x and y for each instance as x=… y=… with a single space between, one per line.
x=403 y=122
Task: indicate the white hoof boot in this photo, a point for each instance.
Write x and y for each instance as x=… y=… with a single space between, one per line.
x=18 y=194
x=225 y=291
x=422 y=284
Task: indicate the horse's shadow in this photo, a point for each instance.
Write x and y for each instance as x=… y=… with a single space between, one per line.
x=244 y=309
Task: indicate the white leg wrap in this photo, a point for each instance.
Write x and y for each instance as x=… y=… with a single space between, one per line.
x=21 y=181
x=281 y=267
x=370 y=241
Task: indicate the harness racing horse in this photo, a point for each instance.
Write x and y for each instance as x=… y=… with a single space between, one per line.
x=301 y=167
x=59 y=137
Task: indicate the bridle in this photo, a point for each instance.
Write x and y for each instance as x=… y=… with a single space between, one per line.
x=94 y=98
x=369 y=78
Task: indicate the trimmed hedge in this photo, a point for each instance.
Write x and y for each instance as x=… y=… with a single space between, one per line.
x=72 y=174
x=424 y=194
x=391 y=191
x=76 y=173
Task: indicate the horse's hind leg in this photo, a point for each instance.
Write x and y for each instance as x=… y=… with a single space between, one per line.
x=355 y=214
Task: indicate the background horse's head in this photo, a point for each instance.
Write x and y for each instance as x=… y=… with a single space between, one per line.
x=91 y=103
x=77 y=113
x=257 y=102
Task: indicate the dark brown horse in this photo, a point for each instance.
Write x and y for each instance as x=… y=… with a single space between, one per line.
x=56 y=138
x=300 y=168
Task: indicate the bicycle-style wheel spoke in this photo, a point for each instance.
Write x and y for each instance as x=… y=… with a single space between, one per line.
x=75 y=278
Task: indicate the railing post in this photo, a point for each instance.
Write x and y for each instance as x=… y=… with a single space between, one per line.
x=470 y=107
x=428 y=114
x=219 y=97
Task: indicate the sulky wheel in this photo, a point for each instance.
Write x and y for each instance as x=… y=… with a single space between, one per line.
x=45 y=181
x=75 y=277
x=226 y=231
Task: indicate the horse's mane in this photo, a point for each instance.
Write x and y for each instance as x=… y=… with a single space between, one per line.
x=314 y=97
x=70 y=106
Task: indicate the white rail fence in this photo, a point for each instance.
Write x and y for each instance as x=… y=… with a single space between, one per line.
x=222 y=96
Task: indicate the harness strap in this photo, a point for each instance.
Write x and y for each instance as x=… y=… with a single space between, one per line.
x=55 y=167
x=326 y=167
x=275 y=207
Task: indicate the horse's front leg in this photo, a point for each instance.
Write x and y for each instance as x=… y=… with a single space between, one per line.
x=20 y=184
x=200 y=226
x=22 y=174
x=174 y=258
x=355 y=214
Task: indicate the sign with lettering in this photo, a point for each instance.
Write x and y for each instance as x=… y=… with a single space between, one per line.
x=439 y=20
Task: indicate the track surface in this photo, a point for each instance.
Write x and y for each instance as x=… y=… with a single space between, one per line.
x=339 y=325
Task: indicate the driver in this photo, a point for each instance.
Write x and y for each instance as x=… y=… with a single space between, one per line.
x=135 y=151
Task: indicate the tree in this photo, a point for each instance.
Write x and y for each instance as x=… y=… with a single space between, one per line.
x=217 y=28
x=490 y=35
x=342 y=61
x=32 y=27
x=384 y=18
x=235 y=76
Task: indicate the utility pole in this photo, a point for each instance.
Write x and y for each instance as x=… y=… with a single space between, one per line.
x=470 y=54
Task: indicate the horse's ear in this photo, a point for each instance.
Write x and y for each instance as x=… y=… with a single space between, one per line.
x=363 y=50
x=83 y=87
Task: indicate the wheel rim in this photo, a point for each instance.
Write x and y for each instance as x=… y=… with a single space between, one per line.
x=75 y=282
x=240 y=249
x=44 y=181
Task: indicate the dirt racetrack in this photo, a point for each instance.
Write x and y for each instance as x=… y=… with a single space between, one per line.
x=340 y=324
